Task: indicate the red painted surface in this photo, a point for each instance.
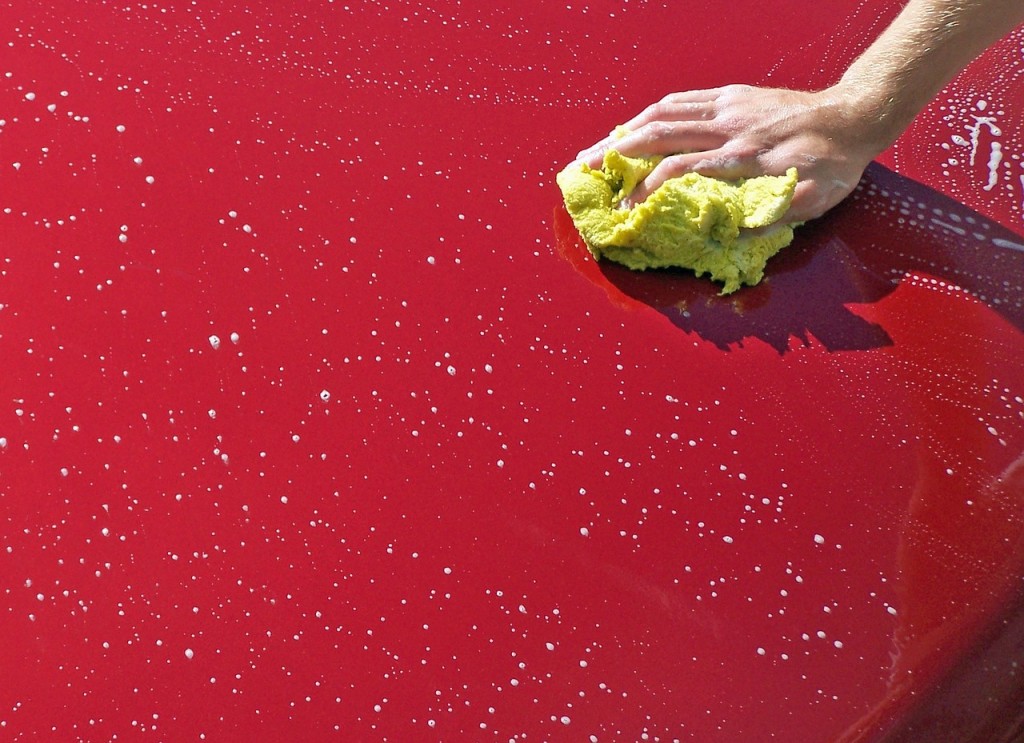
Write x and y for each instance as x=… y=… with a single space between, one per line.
x=451 y=480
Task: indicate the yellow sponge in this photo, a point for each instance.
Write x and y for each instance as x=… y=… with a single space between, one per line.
x=691 y=221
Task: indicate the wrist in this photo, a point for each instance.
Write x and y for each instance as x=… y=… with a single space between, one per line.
x=871 y=117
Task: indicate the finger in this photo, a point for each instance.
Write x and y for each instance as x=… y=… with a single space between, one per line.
x=661 y=138
x=696 y=105
x=693 y=105
x=705 y=94
x=594 y=155
x=714 y=164
x=808 y=203
x=670 y=167
x=812 y=198
x=766 y=230
x=726 y=165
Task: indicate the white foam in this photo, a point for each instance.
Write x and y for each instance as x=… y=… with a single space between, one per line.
x=951 y=227
x=1009 y=245
x=994 y=158
x=975 y=130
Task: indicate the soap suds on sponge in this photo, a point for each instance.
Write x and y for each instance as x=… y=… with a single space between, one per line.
x=690 y=221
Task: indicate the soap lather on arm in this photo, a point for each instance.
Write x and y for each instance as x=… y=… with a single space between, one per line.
x=830 y=135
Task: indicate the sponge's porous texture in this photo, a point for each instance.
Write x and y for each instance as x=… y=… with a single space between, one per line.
x=691 y=221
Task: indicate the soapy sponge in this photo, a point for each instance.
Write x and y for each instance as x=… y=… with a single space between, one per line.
x=691 y=221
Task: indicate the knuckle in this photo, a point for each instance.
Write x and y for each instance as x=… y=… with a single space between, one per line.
x=695 y=110
x=730 y=122
x=657 y=130
x=660 y=110
x=736 y=89
x=674 y=165
x=732 y=96
x=747 y=151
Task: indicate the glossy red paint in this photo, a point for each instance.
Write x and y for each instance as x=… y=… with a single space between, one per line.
x=317 y=423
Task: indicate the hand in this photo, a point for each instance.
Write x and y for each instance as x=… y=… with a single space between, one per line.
x=741 y=131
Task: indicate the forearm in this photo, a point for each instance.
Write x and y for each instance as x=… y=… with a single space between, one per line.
x=928 y=43
x=829 y=135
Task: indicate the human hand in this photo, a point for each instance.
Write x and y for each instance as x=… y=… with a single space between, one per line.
x=740 y=131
